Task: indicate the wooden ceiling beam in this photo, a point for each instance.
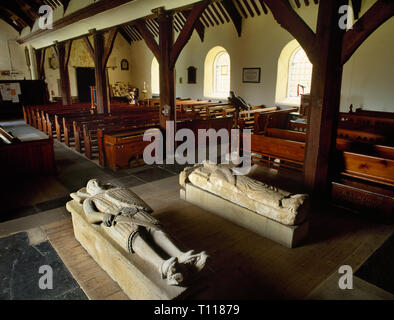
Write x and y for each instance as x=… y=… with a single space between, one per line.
x=199 y=26
x=68 y=52
x=251 y=13
x=207 y=17
x=235 y=16
x=86 y=12
x=255 y=7
x=356 y=5
x=241 y=8
x=179 y=21
x=65 y=4
x=109 y=45
x=40 y=60
x=177 y=27
x=212 y=15
x=136 y=32
x=131 y=34
x=89 y=46
x=151 y=28
x=148 y=38
x=263 y=6
x=33 y=5
x=206 y=23
x=5 y=16
x=13 y=8
x=222 y=10
x=216 y=12
x=125 y=35
x=285 y=15
x=187 y=30
x=380 y=12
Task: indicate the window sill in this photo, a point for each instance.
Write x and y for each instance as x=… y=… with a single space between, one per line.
x=217 y=97
x=293 y=102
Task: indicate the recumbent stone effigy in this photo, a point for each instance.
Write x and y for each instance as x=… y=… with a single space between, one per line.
x=246 y=201
x=126 y=219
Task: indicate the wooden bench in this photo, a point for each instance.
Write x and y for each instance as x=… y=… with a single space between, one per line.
x=67 y=122
x=90 y=134
x=26 y=157
x=258 y=119
x=118 y=149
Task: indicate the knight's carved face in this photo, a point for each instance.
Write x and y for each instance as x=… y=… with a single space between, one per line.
x=95 y=186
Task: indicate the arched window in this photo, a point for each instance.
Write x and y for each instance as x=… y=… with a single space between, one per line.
x=155 y=77
x=300 y=74
x=222 y=75
x=217 y=73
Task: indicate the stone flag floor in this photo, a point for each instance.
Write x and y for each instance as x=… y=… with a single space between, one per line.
x=19 y=271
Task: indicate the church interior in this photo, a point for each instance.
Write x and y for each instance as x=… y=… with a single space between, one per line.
x=197 y=150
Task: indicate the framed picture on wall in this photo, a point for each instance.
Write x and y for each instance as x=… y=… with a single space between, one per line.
x=251 y=75
x=124 y=64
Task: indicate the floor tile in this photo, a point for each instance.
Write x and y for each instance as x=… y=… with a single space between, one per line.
x=19 y=269
x=153 y=174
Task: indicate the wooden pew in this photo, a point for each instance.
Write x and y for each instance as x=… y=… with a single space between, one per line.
x=90 y=132
x=365 y=171
x=26 y=157
x=378 y=114
x=345 y=134
x=120 y=113
x=257 y=119
x=265 y=150
x=118 y=148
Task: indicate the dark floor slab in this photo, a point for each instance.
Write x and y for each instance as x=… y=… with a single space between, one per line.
x=26 y=211
x=76 y=179
x=127 y=182
x=52 y=204
x=174 y=168
x=17 y=213
x=379 y=268
x=152 y=174
x=19 y=271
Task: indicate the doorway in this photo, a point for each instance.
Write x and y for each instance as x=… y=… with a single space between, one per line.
x=85 y=79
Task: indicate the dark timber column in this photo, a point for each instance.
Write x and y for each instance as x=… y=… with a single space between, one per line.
x=167 y=76
x=62 y=51
x=325 y=99
x=100 y=73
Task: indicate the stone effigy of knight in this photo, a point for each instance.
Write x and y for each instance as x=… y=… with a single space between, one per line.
x=129 y=221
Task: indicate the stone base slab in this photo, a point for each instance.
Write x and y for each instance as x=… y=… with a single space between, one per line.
x=137 y=278
x=289 y=236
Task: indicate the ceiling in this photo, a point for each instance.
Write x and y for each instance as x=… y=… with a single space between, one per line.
x=217 y=13
x=23 y=13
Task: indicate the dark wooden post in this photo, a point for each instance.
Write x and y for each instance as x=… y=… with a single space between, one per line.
x=167 y=53
x=100 y=73
x=62 y=53
x=167 y=76
x=40 y=60
x=325 y=100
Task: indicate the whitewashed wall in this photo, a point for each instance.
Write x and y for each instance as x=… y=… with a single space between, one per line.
x=16 y=58
x=367 y=81
x=80 y=58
